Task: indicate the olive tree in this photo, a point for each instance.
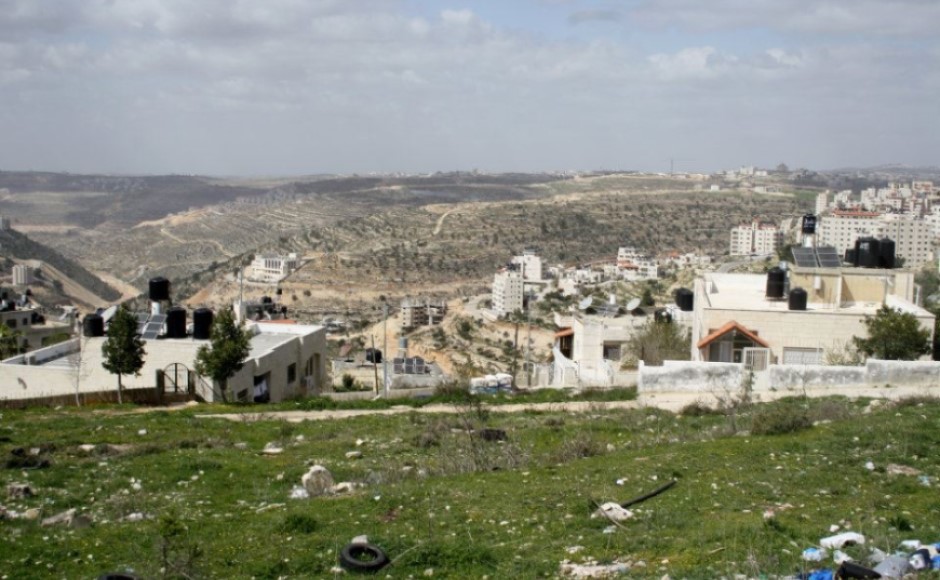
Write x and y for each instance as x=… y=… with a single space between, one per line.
x=123 y=349
x=894 y=335
x=229 y=346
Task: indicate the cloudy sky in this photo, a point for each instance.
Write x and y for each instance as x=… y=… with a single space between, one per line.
x=233 y=87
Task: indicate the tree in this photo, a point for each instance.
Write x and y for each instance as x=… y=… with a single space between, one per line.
x=9 y=342
x=647 y=298
x=894 y=335
x=123 y=349
x=659 y=340
x=226 y=352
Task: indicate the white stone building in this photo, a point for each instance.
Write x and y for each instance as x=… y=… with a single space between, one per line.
x=507 y=291
x=755 y=238
x=286 y=360
x=530 y=264
x=822 y=202
x=731 y=313
x=272 y=268
x=22 y=275
x=633 y=265
x=913 y=236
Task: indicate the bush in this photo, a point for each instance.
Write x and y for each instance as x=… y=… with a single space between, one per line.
x=779 y=419
x=698 y=409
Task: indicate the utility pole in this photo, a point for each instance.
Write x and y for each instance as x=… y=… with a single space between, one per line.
x=375 y=367
x=385 y=346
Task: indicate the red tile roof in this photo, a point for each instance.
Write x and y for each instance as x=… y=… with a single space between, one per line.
x=728 y=327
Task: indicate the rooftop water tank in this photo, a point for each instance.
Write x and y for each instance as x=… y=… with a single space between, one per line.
x=159 y=289
x=809 y=224
x=92 y=326
x=867 y=252
x=176 y=322
x=685 y=299
x=374 y=355
x=776 y=280
x=202 y=324
x=798 y=299
x=886 y=254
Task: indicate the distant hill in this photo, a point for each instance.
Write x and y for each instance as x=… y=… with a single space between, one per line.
x=16 y=245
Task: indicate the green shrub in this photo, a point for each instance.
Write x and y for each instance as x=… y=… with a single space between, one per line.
x=781 y=418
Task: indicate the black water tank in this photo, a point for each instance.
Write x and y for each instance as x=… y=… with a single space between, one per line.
x=886 y=253
x=279 y=291
x=851 y=257
x=867 y=253
x=176 y=322
x=662 y=315
x=776 y=280
x=202 y=324
x=798 y=299
x=685 y=299
x=159 y=289
x=374 y=355
x=93 y=325
x=809 y=224
x=266 y=300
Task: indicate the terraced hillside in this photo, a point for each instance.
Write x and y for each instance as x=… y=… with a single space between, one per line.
x=445 y=247
x=181 y=244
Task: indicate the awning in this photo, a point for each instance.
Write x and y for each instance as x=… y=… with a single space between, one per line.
x=731 y=326
x=564 y=332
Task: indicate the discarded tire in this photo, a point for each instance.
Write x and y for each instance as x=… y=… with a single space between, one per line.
x=363 y=558
x=853 y=571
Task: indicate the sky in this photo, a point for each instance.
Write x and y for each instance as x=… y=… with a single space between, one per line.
x=290 y=87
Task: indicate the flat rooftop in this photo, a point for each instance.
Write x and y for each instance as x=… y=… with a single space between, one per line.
x=748 y=292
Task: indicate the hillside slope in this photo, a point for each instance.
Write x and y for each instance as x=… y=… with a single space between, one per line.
x=20 y=247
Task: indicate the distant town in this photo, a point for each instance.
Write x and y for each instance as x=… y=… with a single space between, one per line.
x=793 y=289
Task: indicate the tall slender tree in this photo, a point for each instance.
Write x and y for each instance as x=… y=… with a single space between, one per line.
x=123 y=349
x=229 y=346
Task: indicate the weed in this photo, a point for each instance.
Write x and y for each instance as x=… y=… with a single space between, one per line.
x=299 y=524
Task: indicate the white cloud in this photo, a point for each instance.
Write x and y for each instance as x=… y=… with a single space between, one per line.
x=353 y=86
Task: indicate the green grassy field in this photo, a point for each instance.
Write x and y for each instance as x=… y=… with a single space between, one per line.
x=442 y=502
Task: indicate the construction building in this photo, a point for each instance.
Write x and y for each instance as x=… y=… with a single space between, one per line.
x=421 y=312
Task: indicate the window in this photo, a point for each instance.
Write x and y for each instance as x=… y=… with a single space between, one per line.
x=11 y=323
x=292 y=372
x=802 y=356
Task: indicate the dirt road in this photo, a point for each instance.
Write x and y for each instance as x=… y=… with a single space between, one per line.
x=301 y=416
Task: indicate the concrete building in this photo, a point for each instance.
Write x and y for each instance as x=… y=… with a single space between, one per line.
x=732 y=313
x=822 y=202
x=755 y=238
x=271 y=268
x=30 y=322
x=286 y=360
x=22 y=275
x=4 y=223
x=913 y=236
x=530 y=264
x=421 y=312
x=507 y=291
